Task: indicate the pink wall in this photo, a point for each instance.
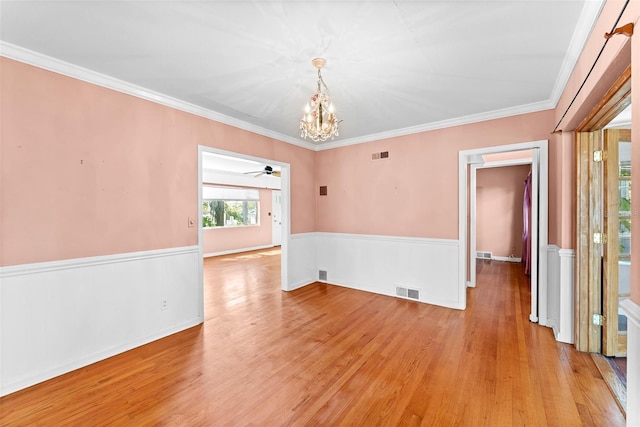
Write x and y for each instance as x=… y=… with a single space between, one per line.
x=414 y=192
x=499 y=219
x=89 y=171
x=235 y=238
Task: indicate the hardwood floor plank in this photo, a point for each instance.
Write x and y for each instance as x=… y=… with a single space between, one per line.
x=328 y=355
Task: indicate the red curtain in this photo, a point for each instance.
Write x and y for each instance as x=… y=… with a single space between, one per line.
x=526 y=233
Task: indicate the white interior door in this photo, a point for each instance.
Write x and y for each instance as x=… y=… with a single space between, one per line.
x=276 y=217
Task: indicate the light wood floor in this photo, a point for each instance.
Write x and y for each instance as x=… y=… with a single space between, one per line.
x=326 y=355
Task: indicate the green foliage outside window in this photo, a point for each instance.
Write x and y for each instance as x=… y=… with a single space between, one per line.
x=229 y=213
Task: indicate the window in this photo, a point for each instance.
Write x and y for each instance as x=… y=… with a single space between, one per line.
x=229 y=207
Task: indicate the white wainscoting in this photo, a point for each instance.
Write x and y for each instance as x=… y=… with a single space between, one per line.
x=632 y=311
x=380 y=263
x=59 y=316
x=302 y=264
x=560 y=293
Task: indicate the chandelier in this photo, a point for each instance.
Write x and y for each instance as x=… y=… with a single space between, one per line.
x=319 y=121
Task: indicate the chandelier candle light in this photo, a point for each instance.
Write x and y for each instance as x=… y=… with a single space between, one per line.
x=319 y=121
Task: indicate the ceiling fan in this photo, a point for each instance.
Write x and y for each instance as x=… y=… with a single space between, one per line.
x=268 y=170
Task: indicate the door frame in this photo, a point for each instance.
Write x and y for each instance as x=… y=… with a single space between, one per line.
x=540 y=164
x=473 y=209
x=612 y=342
x=588 y=289
x=285 y=188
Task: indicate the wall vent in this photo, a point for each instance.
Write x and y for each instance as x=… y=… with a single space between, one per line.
x=407 y=293
x=322 y=274
x=381 y=155
x=484 y=255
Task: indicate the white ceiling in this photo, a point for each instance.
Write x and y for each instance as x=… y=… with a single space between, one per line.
x=394 y=66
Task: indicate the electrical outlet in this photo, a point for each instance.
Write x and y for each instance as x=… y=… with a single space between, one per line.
x=163 y=305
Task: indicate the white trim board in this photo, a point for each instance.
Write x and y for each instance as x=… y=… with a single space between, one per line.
x=237 y=251
x=506 y=259
x=60 y=316
x=67 y=264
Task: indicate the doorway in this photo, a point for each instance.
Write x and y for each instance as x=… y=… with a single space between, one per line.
x=598 y=262
x=603 y=224
x=520 y=158
x=284 y=217
x=469 y=161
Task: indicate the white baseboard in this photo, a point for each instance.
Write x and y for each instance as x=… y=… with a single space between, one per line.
x=506 y=258
x=237 y=251
x=62 y=315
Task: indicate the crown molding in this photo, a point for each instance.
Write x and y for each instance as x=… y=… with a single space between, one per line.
x=459 y=121
x=586 y=22
x=39 y=60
